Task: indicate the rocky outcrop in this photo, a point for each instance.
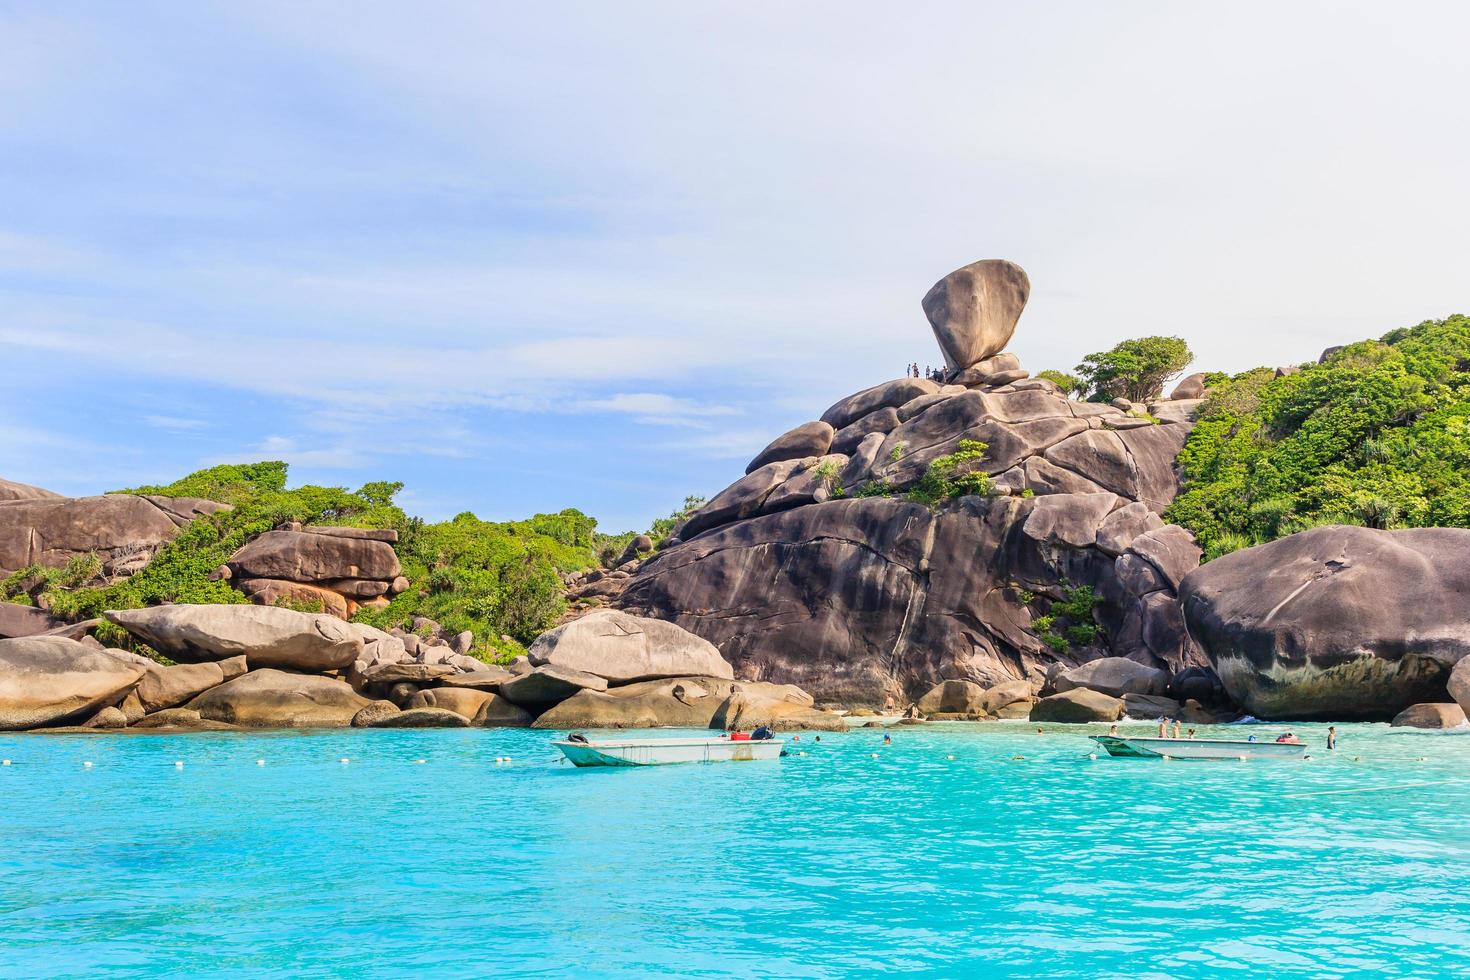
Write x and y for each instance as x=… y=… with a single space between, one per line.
x=1459 y=683
x=267 y=636
x=691 y=702
x=168 y=687
x=335 y=568
x=1077 y=707
x=807 y=439
x=859 y=600
x=49 y=680
x=549 y=685
x=621 y=648
x=120 y=529
x=1336 y=623
x=1113 y=676
x=10 y=490
x=974 y=310
x=17 y=620
x=277 y=699
x=1449 y=715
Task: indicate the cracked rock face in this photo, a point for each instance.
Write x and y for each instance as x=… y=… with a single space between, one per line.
x=857 y=600
x=51 y=530
x=1336 y=622
x=974 y=310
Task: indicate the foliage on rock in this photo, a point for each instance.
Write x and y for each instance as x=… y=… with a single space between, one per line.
x=1135 y=369
x=1377 y=435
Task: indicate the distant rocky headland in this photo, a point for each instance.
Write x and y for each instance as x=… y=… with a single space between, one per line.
x=1287 y=543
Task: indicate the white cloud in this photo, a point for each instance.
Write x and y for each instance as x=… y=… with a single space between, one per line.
x=173 y=422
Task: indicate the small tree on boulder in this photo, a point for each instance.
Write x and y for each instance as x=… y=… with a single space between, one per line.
x=1135 y=369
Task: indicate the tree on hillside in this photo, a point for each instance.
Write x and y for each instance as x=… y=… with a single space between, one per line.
x=1069 y=383
x=1135 y=369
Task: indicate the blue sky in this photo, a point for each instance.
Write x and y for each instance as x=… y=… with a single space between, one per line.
x=531 y=256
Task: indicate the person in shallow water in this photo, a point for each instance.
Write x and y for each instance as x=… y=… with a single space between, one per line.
x=887 y=739
x=1331 y=737
x=1113 y=730
x=1288 y=737
x=1190 y=734
x=1176 y=727
x=1164 y=727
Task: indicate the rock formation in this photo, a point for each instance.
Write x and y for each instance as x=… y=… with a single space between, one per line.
x=266 y=636
x=821 y=570
x=46 y=680
x=624 y=648
x=123 y=530
x=337 y=568
x=1337 y=622
x=974 y=310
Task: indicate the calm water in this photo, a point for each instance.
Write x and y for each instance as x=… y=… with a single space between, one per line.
x=830 y=865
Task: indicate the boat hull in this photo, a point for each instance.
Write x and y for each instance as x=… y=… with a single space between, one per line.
x=1203 y=748
x=668 y=751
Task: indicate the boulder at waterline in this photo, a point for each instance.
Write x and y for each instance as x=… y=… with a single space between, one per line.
x=461 y=700
x=548 y=685
x=1077 y=706
x=45 y=680
x=1338 y=623
x=622 y=647
x=1430 y=716
x=954 y=697
x=268 y=636
x=748 y=708
x=996 y=699
x=1113 y=676
x=186 y=719
x=1147 y=707
x=677 y=702
x=1459 y=683
x=276 y=699
x=167 y=687
x=374 y=712
x=108 y=718
x=422 y=718
x=497 y=712
x=974 y=310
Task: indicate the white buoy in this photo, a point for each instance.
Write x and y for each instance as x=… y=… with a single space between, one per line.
x=950 y=758
x=260 y=762
x=419 y=762
x=5 y=763
x=86 y=765
x=875 y=755
x=345 y=761
x=179 y=764
x=1090 y=755
x=507 y=758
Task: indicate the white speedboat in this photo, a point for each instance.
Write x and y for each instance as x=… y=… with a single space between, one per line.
x=1198 y=748
x=668 y=751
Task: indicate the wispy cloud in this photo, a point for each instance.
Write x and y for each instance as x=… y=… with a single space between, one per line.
x=175 y=423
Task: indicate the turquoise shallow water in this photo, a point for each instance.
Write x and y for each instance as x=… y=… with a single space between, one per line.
x=835 y=864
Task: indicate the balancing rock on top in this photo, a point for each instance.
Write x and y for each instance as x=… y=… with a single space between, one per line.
x=974 y=310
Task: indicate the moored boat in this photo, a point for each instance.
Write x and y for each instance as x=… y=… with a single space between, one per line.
x=668 y=751
x=1198 y=748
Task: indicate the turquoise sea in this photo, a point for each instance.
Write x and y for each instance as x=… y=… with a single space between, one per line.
x=1019 y=856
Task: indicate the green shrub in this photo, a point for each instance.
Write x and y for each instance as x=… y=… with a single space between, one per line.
x=944 y=479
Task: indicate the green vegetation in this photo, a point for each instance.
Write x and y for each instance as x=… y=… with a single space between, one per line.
x=1135 y=369
x=1069 y=383
x=1068 y=621
x=1378 y=435
x=664 y=526
x=946 y=477
x=496 y=579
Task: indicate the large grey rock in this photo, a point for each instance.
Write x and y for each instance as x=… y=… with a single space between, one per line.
x=422 y=718
x=850 y=436
x=1124 y=525
x=277 y=699
x=1147 y=707
x=268 y=636
x=743 y=498
x=1336 y=623
x=974 y=310
x=301 y=556
x=51 y=531
x=548 y=685
x=1114 y=676
x=684 y=702
x=807 y=439
x=1192 y=387
x=622 y=647
x=168 y=687
x=889 y=394
x=1459 y=683
x=10 y=490
x=954 y=697
x=1077 y=707
x=46 y=680
x=859 y=600
x=1170 y=549
x=1430 y=716
x=17 y=620
x=275 y=591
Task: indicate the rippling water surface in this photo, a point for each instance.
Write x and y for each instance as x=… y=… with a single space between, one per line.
x=832 y=864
